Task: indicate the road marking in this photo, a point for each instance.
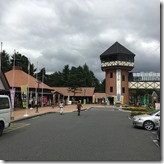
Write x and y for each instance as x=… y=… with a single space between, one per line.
x=154 y=132
x=15 y=126
x=156 y=143
x=102 y=109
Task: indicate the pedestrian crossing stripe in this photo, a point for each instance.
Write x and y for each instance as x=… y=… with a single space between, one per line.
x=15 y=126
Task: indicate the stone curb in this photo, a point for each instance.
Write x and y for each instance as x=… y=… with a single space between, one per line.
x=28 y=117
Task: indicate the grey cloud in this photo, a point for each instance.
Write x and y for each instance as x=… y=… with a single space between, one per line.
x=76 y=32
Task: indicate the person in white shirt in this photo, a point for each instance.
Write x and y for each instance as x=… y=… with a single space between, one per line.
x=61 y=106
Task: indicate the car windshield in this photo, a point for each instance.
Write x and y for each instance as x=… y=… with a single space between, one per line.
x=153 y=112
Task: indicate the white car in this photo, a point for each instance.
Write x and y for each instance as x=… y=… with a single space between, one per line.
x=147 y=121
x=5 y=112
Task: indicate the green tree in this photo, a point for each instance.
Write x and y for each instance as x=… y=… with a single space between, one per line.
x=54 y=79
x=74 y=80
x=87 y=75
x=23 y=62
x=41 y=75
x=65 y=76
x=5 y=62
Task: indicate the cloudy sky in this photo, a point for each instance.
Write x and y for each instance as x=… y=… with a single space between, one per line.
x=59 y=32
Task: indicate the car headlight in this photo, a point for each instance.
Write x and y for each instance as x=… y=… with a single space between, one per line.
x=138 y=119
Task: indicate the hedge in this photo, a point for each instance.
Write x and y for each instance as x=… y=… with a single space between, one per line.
x=138 y=110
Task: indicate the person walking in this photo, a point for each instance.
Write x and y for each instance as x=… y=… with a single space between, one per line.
x=79 y=106
x=61 y=105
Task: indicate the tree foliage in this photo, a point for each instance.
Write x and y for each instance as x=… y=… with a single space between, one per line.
x=5 y=62
x=23 y=62
x=73 y=77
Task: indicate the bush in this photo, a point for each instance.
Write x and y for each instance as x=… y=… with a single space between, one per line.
x=137 y=113
x=138 y=110
x=134 y=108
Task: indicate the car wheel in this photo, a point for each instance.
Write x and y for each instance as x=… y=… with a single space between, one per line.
x=1 y=129
x=149 y=125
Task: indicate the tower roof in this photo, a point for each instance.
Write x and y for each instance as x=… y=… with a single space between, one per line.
x=117 y=48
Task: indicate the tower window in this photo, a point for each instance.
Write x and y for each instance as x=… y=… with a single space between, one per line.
x=123 y=77
x=111 y=89
x=123 y=89
x=111 y=74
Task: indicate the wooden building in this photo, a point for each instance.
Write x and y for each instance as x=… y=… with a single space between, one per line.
x=70 y=96
x=18 y=78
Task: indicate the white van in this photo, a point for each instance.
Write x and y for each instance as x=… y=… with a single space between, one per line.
x=5 y=112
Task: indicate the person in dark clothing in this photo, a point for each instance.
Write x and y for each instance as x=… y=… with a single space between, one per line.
x=79 y=106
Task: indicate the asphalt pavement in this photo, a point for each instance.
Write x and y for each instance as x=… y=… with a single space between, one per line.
x=23 y=113
x=98 y=134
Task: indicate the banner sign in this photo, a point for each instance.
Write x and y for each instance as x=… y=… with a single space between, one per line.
x=157 y=105
x=118 y=85
x=24 y=95
x=12 y=95
x=45 y=100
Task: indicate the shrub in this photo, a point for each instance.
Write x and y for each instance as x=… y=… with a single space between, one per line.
x=138 y=110
x=134 y=108
x=137 y=113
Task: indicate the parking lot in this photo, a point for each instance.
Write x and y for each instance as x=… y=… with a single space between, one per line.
x=96 y=135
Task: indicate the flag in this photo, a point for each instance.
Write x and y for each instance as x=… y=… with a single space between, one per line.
x=24 y=95
x=12 y=95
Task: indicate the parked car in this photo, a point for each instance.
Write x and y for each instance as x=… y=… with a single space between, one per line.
x=147 y=121
x=5 y=112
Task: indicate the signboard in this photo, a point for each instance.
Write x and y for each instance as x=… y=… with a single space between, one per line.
x=12 y=95
x=118 y=85
x=45 y=100
x=157 y=105
x=24 y=95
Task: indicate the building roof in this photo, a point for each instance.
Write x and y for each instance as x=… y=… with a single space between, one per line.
x=100 y=95
x=82 y=91
x=21 y=78
x=117 y=48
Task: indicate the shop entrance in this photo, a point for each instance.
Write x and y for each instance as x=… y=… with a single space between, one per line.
x=111 y=100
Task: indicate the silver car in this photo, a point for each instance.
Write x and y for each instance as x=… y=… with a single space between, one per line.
x=147 y=121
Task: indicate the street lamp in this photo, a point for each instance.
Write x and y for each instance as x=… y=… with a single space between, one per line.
x=37 y=96
x=84 y=97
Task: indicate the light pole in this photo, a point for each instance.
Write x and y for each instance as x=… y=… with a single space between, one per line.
x=37 y=97
x=42 y=84
x=1 y=58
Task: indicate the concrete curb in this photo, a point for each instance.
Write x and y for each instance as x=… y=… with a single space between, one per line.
x=28 y=117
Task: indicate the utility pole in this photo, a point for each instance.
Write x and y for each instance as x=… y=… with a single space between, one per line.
x=1 y=59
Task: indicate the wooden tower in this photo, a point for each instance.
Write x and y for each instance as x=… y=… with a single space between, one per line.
x=117 y=61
